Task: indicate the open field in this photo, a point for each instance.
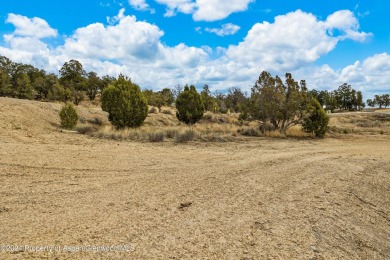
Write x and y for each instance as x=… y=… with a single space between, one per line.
x=253 y=198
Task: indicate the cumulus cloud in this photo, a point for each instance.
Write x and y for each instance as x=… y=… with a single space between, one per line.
x=182 y=6
x=212 y=10
x=227 y=29
x=285 y=45
x=205 y=10
x=32 y=27
x=126 y=45
x=140 y=5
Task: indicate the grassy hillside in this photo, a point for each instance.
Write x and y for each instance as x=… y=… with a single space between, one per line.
x=25 y=119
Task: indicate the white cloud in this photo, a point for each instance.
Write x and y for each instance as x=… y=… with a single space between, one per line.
x=347 y=23
x=116 y=18
x=135 y=49
x=212 y=10
x=34 y=27
x=182 y=6
x=227 y=29
x=293 y=40
x=205 y=10
x=140 y=5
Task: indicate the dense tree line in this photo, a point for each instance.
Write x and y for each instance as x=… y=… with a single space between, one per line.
x=278 y=104
x=72 y=84
x=344 y=98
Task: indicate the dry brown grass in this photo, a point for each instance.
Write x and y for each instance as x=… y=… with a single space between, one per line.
x=360 y=123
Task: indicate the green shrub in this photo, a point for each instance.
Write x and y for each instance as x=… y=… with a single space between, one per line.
x=316 y=121
x=125 y=103
x=68 y=116
x=189 y=106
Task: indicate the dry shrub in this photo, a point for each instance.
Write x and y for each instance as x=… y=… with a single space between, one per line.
x=167 y=111
x=186 y=136
x=208 y=115
x=250 y=131
x=153 y=110
x=171 y=133
x=296 y=131
x=156 y=137
x=274 y=134
x=86 y=129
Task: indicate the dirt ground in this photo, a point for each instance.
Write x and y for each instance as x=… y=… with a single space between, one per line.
x=259 y=199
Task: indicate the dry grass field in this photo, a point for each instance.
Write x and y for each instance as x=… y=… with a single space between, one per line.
x=236 y=197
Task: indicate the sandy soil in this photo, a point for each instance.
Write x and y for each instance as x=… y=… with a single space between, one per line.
x=259 y=199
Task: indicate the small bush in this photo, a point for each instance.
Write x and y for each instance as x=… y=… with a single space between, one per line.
x=153 y=110
x=208 y=116
x=156 y=137
x=171 y=133
x=345 y=131
x=86 y=129
x=167 y=111
x=186 y=136
x=68 y=116
x=250 y=131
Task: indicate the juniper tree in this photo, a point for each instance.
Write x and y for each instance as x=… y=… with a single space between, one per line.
x=125 y=103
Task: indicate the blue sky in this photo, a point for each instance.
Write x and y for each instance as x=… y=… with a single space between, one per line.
x=162 y=43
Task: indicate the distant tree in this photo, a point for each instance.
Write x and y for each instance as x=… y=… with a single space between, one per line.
x=379 y=100
x=94 y=85
x=209 y=101
x=345 y=93
x=189 y=104
x=73 y=78
x=106 y=81
x=23 y=88
x=125 y=103
x=168 y=96
x=371 y=102
x=386 y=100
x=5 y=84
x=359 y=100
x=160 y=98
x=176 y=91
x=316 y=120
x=68 y=116
x=220 y=99
x=235 y=99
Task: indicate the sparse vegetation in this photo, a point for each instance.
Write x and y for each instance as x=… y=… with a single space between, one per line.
x=186 y=135
x=68 y=116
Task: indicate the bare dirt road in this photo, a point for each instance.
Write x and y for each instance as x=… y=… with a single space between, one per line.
x=259 y=199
